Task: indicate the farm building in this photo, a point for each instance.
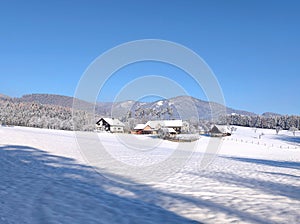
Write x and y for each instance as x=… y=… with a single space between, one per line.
x=219 y=131
x=151 y=127
x=142 y=129
x=175 y=124
x=112 y=125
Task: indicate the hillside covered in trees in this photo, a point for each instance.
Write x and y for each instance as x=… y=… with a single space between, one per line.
x=32 y=114
x=55 y=112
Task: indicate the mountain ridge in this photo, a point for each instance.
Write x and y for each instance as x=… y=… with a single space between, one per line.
x=159 y=109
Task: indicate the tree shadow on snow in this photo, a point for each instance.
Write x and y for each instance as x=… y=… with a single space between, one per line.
x=283 y=174
x=37 y=187
x=274 y=163
x=274 y=188
x=295 y=140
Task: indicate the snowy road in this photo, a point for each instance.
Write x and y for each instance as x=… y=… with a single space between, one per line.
x=44 y=179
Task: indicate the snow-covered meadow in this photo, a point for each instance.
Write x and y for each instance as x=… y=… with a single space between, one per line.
x=47 y=178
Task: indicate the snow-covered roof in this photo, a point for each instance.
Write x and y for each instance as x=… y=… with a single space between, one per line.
x=113 y=121
x=140 y=126
x=169 y=130
x=164 y=123
x=219 y=128
x=154 y=124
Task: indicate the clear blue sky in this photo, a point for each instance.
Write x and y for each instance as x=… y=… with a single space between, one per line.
x=252 y=46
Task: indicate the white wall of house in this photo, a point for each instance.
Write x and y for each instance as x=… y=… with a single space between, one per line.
x=116 y=129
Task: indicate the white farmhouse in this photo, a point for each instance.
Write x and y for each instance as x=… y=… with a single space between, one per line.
x=112 y=125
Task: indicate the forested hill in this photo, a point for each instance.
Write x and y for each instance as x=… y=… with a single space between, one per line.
x=32 y=114
x=55 y=111
x=50 y=99
x=184 y=107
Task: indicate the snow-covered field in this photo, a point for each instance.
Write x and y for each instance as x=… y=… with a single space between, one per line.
x=47 y=178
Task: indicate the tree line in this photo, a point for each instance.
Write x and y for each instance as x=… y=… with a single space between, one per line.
x=31 y=114
x=285 y=122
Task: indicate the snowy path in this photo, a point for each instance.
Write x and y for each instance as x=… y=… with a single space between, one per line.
x=44 y=179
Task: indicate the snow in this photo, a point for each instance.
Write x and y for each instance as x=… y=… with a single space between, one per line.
x=160 y=103
x=46 y=178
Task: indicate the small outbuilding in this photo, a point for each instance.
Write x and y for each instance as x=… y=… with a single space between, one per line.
x=219 y=131
x=112 y=125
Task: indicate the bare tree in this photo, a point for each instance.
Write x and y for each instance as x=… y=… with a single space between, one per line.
x=293 y=130
x=185 y=127
x=278 y=128
x=260 y=135
x=232 y=129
